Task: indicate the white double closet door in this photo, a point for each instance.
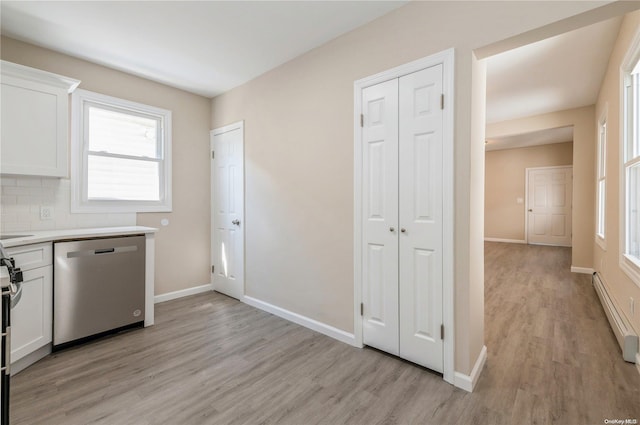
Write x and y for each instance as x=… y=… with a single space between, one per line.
x=402 y=217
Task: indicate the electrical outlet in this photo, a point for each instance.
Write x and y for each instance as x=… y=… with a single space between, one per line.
x=632 y=306
x=46 y=213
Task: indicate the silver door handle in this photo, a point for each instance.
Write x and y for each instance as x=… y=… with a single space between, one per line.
x=236 y=222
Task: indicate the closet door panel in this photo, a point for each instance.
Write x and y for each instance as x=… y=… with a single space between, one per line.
x=380 y=216
x=420 y=217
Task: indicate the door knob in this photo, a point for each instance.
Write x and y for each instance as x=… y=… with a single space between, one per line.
x=236 y=222
x=530 y=210
x=392 y=229
x=403 y=230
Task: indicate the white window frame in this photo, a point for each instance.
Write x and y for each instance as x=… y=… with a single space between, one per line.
x=601 y=181
x=629 y=264
x=80 y=151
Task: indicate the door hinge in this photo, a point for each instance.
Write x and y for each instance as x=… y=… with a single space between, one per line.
x=213 y=154
x=441 y=331
x=442 y=101
x=213 y=268
x=361 y=120
x=361 y=309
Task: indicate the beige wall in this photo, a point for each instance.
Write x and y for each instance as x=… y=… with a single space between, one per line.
x=582 y=120
x=182 y=248
x=505 y=182
x=606 y=261
x=299 y=157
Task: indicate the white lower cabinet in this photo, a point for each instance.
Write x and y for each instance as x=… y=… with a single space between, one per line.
x=32 y=317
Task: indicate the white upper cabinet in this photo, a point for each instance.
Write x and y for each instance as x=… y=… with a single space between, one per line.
x=35 y=121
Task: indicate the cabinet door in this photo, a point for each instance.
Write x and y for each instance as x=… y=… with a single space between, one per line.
x=34 y=129
x=31 y=318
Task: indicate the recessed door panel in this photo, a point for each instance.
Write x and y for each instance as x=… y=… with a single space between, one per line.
x=376 y=176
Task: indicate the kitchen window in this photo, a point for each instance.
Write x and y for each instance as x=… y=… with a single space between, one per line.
x=630 y=258
x=121 y=159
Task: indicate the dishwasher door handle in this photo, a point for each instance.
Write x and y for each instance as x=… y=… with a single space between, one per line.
x=89 y=252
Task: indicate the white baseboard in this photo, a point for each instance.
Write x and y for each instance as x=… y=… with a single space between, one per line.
x=521 y=241
x=638 y=362
x=307 y=322
x=182 y=293
x=468 y=382
x=584 y=270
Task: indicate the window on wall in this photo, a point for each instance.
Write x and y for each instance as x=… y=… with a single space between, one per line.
x=121 y=158
x=601 y=185
x=630 y=260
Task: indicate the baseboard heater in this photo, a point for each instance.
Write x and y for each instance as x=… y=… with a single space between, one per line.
x=625 y=335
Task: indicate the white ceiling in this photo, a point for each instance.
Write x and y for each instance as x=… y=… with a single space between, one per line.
x=558 y=73
x=206 y=47
x=534 y=138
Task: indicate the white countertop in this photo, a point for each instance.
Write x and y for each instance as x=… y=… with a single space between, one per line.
x=32 y=237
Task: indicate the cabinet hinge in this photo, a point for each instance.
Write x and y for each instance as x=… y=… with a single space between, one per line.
x=442 y=101
x=441 y=331
x=213 y=268
x=213 y=154
x=361 y=120
x=361 y=309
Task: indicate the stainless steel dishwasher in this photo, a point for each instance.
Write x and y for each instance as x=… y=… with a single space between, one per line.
x=98 y=287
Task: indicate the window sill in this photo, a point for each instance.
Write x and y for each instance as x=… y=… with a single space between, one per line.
x=631 y=267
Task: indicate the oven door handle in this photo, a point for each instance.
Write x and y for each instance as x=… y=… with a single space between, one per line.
x=17 y=295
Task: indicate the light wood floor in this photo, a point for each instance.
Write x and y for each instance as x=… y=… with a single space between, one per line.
x=212 y=360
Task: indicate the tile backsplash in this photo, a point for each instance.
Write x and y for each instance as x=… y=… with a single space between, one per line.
x=22 y=198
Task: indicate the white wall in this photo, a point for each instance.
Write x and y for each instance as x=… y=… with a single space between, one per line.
x=299 y=156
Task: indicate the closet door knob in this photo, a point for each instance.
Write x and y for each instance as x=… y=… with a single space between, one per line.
x=392 y=229
x=403 y=230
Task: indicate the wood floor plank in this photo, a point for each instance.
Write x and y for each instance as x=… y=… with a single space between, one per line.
x=210 y=359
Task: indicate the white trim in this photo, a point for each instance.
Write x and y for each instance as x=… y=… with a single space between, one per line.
x=149 y=277
x=468 y=382
x=301 y=320
x=526 y=201
x=521 y=241
x=183 y=293
x=239 y=125
x=601 y=149
x=35 y=75
x=638 y=362
x=447 y=59
x=79 y=203
x=583 y=270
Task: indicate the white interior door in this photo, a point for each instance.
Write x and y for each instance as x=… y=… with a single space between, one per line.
x=549 y=205
x=402 y=204
x=421 y=226
x=380 y=216
x=227 y=209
